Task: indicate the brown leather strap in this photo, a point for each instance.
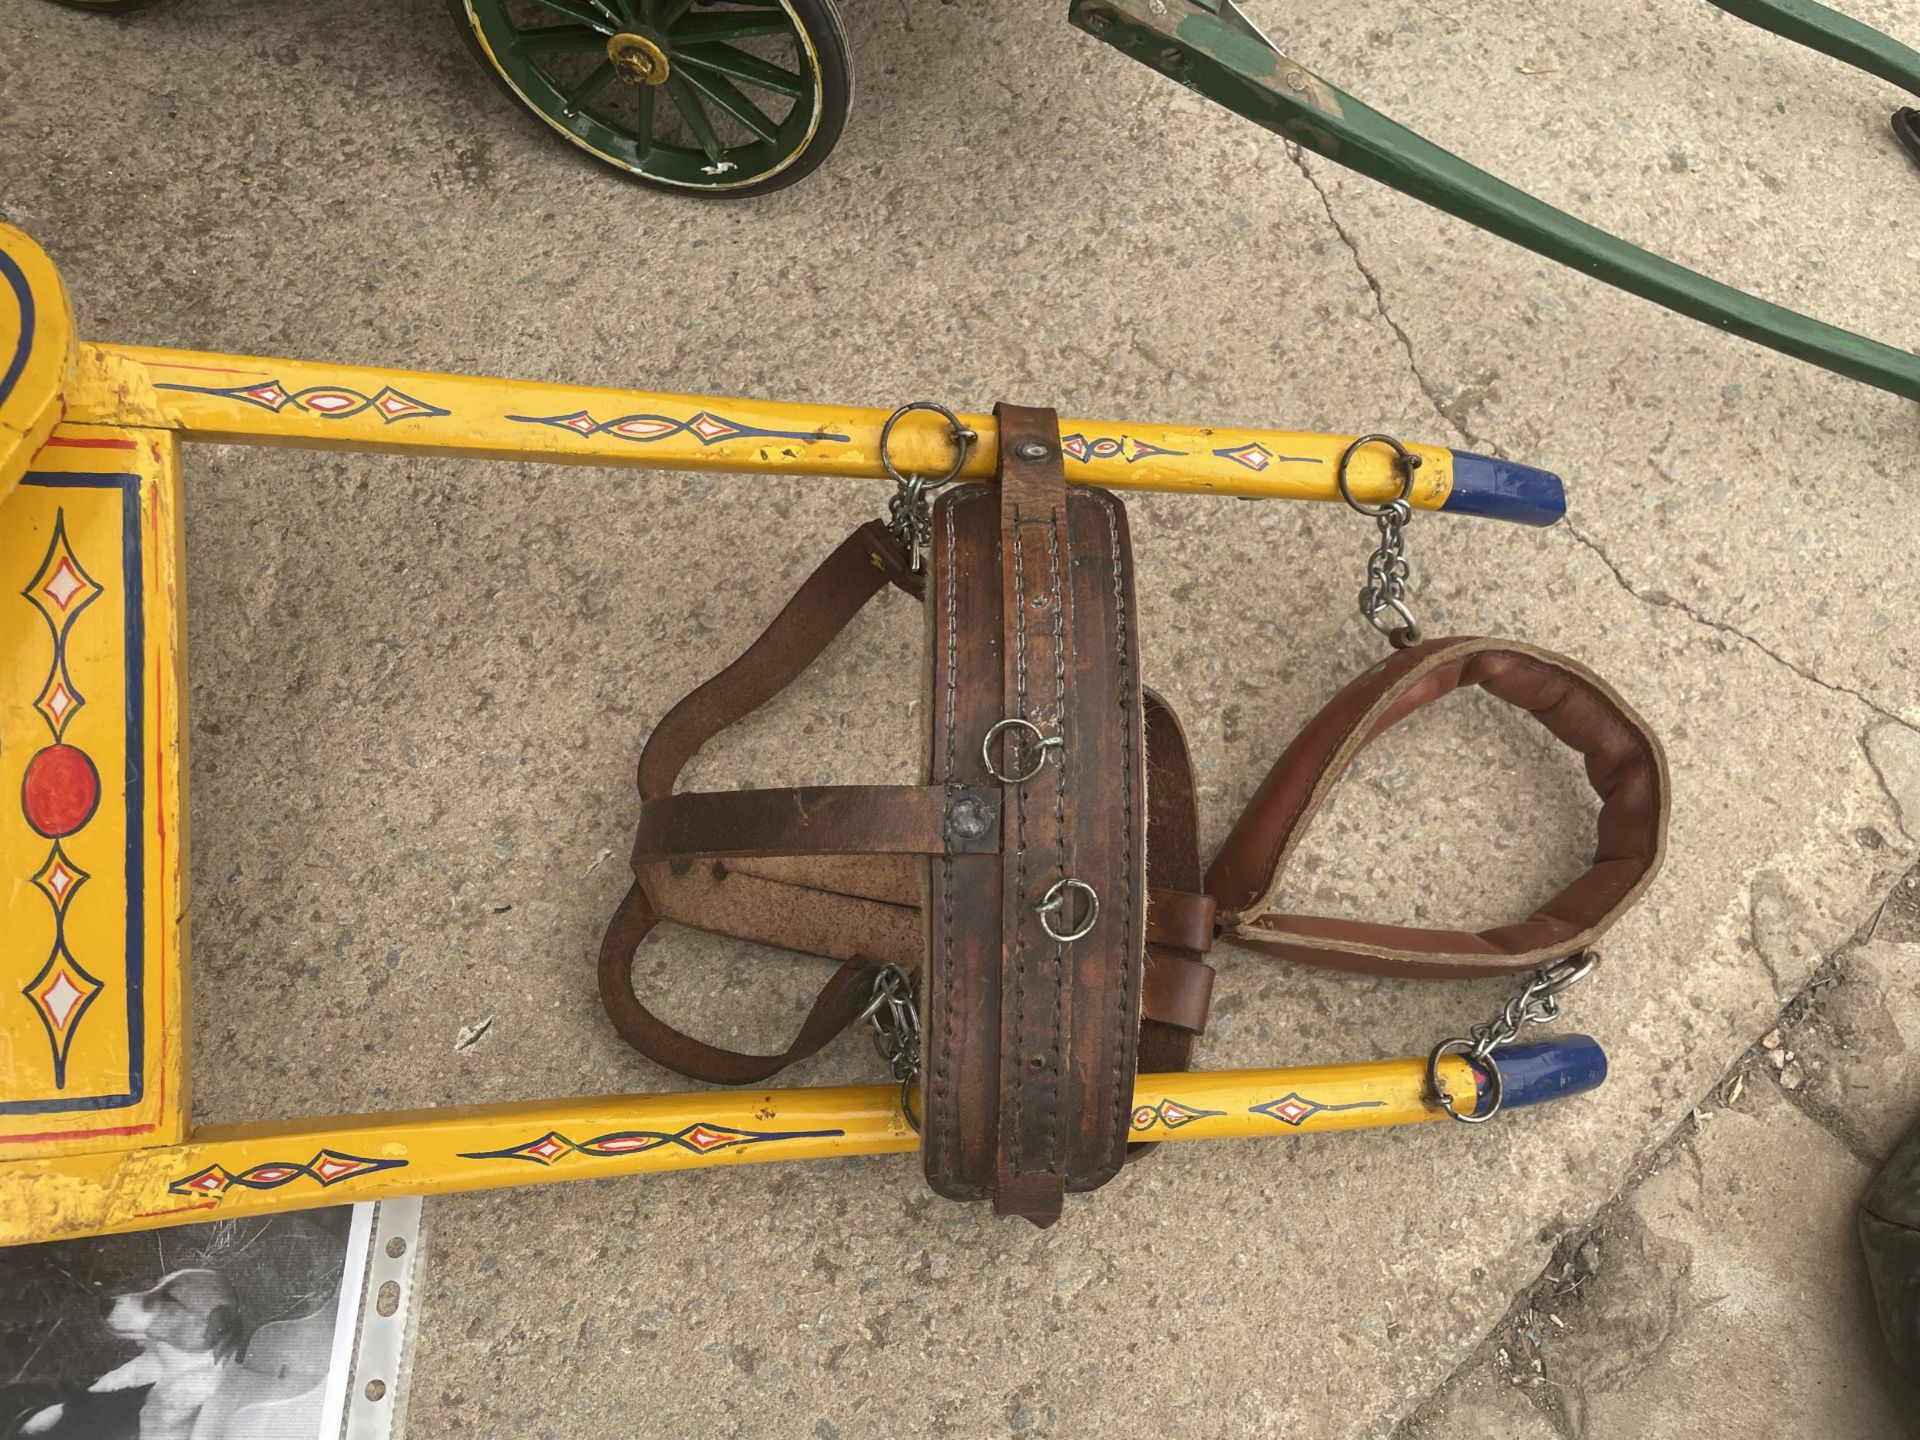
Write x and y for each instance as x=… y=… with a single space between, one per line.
x=1625 y=766
x=821 y=820
x=1178 y=917
x=839 y=1004
x=842 y=819
x=1177 y=988
x=865 y=563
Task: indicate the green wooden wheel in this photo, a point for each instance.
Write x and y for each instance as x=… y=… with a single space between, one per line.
x=719 y=97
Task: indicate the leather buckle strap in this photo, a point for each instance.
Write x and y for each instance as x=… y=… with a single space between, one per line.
x=1624 y=763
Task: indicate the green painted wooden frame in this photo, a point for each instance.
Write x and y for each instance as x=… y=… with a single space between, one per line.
x=1211 y=48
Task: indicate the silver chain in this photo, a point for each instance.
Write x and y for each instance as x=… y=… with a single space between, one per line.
x=910 y=517
x=1537 y=1004
x=909 y=512
x=1383 y=600
x=896 y=1031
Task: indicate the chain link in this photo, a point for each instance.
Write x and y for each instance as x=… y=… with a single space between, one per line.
x=896 y=1031
x=1537 y=1004
x=909 y=513
x=910 y=517
x=1383 y=600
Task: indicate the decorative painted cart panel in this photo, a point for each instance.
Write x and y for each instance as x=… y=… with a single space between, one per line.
x=91 y=843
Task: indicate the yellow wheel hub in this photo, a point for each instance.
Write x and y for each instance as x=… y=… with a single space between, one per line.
x=637 y=60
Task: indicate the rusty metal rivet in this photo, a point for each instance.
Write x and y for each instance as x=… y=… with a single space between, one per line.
x=969 y=820
x=1098 y=21
x=1031 y=450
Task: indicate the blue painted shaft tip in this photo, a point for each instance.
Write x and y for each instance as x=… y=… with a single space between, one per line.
x=1547 y=1070
x=1504 y=490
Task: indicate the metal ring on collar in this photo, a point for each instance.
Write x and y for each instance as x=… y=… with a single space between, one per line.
x=1409 y=462
x=1042 y=742
x=1056 y=900
x=1495 y=1086
x=963 y=438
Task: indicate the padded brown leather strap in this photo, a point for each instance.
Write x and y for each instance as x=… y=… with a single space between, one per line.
x=1625 y=766
x=1033 y=1026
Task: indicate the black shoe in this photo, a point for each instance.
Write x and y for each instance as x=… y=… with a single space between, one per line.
x=1906 y=126
x=1890 y=1234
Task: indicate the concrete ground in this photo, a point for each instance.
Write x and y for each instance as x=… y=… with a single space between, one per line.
x=419 y=688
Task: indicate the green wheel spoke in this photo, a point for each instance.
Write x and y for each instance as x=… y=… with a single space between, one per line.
x=669 y=13
x=585 y=12
x=725 y=94
x=591 y=86
x=737 y=64
x=695 y=114
x=643 y=127
x=729 y=25
x=558 y=37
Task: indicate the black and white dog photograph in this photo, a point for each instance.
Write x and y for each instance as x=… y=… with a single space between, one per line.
x=225 y=1331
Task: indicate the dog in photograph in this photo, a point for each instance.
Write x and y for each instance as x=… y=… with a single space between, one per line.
x=193 y=1343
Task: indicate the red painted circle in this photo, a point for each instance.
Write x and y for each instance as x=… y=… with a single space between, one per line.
x=60 y=791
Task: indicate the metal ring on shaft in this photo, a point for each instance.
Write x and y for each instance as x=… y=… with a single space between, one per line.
x=1444 y=1100
x=1409 y=462
x=963 y=438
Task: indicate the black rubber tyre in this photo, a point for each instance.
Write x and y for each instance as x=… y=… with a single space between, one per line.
x=702 y=130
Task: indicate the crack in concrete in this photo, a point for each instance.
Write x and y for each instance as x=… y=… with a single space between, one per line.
x=1899 y=810
x=1665 y=601
x=1753 y=939
x=1800 y=1101
x=1451 y=412
x=1446 y=409
x=1750 y=1061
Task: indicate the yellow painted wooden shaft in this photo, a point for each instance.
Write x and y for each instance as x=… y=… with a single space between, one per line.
x=225 y=1171
x=254 y=401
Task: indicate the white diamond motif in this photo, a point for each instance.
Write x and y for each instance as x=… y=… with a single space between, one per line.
x=60 y=999
x=63 y=584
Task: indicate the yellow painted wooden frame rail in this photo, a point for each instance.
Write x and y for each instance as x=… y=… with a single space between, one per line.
x=251 y=400
x=93 y=936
